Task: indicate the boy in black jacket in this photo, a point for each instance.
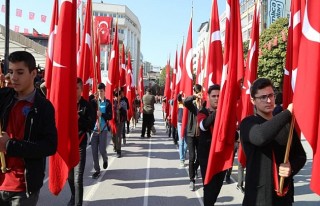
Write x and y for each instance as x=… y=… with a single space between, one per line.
x=28 y=135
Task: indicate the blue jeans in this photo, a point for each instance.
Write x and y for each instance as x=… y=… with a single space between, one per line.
x=18 y=198
x=182 y=143
x=75 y=178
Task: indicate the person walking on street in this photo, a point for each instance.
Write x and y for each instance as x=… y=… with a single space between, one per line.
x=182 y=140
x=100 y=132
x=193 y=104
x=264 y=138
x=86 y=120
x=28 y=133
x=148 y=101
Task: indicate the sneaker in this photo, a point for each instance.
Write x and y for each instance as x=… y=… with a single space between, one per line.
x=182 y=164
x=95 y=175
x=105 y=165
x=118 y=154
x=241 y=188
x=192 y=187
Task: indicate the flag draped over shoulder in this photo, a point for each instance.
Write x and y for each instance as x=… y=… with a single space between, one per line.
x=86 y=51
x=306 y=99
x=167 y=91
x=250 y=72
x=223 y=137
x=187 y=76
x=174 y=108
x=64 y=99
x=50 y=50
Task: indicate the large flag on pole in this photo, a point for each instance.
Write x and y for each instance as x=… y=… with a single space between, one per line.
x=113 y=74
x=141 y=87
x=64 y=99
x=223 y=137
x=50 y=50
x=292 y=56
x=173 y=112
x=187 y=76
x=86 y=52
x=250 y=73
x=167 y=90
x=123 y=69
x=130 y=92
x=214 y=60
x=306 y=99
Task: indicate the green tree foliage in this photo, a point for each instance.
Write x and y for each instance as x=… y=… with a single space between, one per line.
x=272 y=60
x=162 y=77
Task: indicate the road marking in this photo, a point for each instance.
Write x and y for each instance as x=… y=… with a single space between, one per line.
x=146 y=186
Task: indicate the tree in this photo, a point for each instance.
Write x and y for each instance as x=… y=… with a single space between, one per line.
x=272 y=60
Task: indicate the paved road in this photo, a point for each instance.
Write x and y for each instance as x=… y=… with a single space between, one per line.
x=148 y=174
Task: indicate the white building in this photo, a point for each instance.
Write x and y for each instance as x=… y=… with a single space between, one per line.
x=129 y=31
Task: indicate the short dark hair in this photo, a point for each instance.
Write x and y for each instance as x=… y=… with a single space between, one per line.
x=102 y=86
x=278 y=99
x=23 y=56
x=179 y=98
x=197 y=88
x=79 y=81
x=148 y=90
x=258 y=84
x=213 y=87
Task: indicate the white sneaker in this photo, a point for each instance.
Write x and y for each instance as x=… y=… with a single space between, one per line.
x=182 y=164
x=192 y=187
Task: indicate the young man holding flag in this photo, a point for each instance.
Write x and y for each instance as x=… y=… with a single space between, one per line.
x=264 y=138
x=28 y=133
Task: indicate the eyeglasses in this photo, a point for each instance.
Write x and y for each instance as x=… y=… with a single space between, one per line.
x=264 y=98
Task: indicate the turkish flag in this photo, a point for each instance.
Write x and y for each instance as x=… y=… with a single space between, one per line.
x=64 y=99
x=250 y=73
x=96 y=72
x=105 y=28
x=167 y=91
x=130 y=92
x=306 y=99
x=3 y=8
x=86 y=54
x=223 y=137
x=26 y=31
x=16 y=28
x=174 y=109
x=113 y=75
x=31 y=15
x=123 y=69
x=214 y=60
x=50 y=49
x=187 y=76
x=43 y=18
x=292 y=55
x=18 y=12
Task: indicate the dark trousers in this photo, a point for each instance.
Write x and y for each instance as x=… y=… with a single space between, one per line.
x=147 y=122
x=18 y=198
x=235 y=149
x=75 y=178
x=193 y=143
x=212 y=189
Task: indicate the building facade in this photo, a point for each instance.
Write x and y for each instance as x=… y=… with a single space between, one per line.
x=129 y=32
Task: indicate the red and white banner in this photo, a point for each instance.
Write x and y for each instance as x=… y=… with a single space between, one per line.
x=31 y=15
x=3 y=8
x=18 y=12
x=26 y=31
x=43 y=18
x=104 y=28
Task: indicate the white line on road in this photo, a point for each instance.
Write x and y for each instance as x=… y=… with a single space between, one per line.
x=146 y=187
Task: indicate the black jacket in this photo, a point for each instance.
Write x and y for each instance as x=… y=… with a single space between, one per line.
x=86 y=119
x=192 y=115
x=259 y=138
x=40 y=137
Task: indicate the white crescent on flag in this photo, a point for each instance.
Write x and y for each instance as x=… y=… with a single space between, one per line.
x=188 y=62
x=88 y=40
x=308 y=31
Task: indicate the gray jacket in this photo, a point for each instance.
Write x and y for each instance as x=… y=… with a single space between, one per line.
x=148 y=101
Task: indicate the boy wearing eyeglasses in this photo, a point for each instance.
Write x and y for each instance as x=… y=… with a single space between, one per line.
x=264 y=138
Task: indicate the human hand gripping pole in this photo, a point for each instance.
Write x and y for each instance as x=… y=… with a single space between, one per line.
x=286 y=156
x=2 y=158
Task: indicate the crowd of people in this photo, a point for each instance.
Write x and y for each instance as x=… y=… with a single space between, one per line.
x=29 y=135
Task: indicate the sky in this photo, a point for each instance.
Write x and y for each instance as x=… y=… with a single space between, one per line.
x=164 y=23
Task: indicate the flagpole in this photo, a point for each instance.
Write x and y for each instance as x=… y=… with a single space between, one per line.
x=2 y=157
x=286 y=156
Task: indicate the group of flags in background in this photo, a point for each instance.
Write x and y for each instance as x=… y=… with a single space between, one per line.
x=68 y=58
x=301 y=81
x=300 y=85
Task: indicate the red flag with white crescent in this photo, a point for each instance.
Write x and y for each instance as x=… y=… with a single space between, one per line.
x=223 y=137
x=174 y=110
x=306 y=99
x=123 y=69
x=50 y=49
x=64 y=99
x=130 y=92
